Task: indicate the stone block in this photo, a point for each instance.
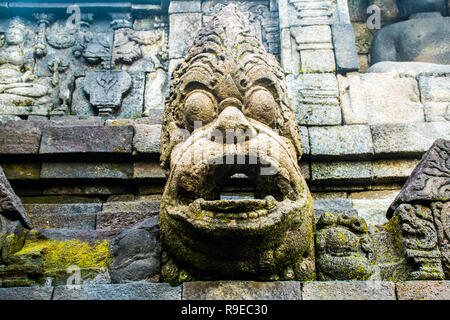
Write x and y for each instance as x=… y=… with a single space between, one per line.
x=241 y=290
x=80 y=216
x=355 y=172
x=26 y=293
x=68 y=234
x=345 y=52
x=363 y=37
x=316 y=89
x=148 y=170
x=317 y=61
x=182 y=27
x=146 y=138
x=22 y=171
x=389 y=171
x=136 y=253
x=407 y=139
x=318 y=115
x=434 y=88
x=341 y=142
x=437 y=111
x=332 y=205
x=86 y=170
x=357 y=9
x=185 y=6
x=423 y=290
x=348 y=290
x=79 y=139
x=19 y=137
x=123 y=291
x=379 y=98
x=122 y=215
x=409 y=69
x=312 y=37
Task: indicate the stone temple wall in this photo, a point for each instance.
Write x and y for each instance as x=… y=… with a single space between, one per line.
x=80 y=142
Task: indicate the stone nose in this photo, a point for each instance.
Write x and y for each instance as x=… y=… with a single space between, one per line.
x=232 y=122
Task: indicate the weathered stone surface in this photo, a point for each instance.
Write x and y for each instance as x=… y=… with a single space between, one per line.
x=437 y=111
x=312 y=37
x=423 y=290
x=407 y=139
x=184 y=6
x=385 y=171
x=333 y=205
x=67 y=234
x=137 y=253
x=355 y=172
x=317 y=61
x=441 y=215
x=430 y=180
x=319 y=115
x=122 y=215
x=148 y=170
x=107 y=139
x=125 y=291
x=348 y=290
x=409 y=68
x=345 y=52
x=305 y=140
x=318 y=89
x=341 y=142
x=435 y=88
x=19 y=137
x=372 y=210
x=146 y=138
x=26 y=293
x=86 y=170
x=379 y=98
x=182 y=27
x=68 y=216
x=22 y=171
x=241 y=290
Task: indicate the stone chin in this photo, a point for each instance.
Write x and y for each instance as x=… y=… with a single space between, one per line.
x=260 y=238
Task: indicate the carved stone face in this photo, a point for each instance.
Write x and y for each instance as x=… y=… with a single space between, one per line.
x=14 y=36
x=228 y=102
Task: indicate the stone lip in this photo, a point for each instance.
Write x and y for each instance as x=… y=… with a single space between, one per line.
x=409 y=68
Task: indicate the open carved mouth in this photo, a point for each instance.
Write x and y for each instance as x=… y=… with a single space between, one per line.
x=233 y=187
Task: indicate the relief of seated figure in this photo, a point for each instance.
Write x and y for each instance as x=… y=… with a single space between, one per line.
x=18 y=84
x=423 y=38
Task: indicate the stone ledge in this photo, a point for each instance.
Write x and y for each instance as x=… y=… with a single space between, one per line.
x=241 y=290
x=348 y=290
x=423 y=290
x=26 y=293
x=125 y=291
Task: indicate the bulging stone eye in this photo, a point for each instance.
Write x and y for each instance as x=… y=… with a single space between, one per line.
x=261 y=106
x=201 y=106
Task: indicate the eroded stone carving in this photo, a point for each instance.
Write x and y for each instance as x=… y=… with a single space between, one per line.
x=441 y=213
x=430 y=180
x=343 y=248
x=419 y=241
x=229 y=83
x=20 y=88
x=425 y=37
